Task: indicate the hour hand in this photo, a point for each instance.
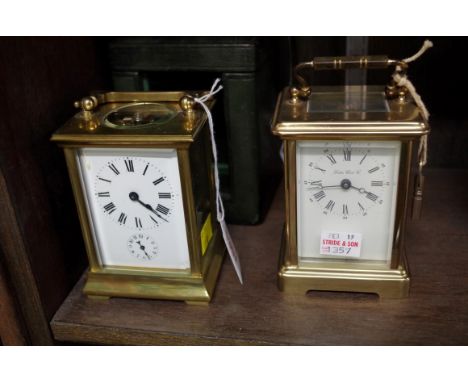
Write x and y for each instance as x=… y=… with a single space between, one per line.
x=313 y=184
x=134 y=196
x=320 y=186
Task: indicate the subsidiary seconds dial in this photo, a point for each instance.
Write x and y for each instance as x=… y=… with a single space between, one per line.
x=134 y=193
x=346 y=181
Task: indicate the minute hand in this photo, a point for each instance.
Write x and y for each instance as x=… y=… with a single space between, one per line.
x=152 y=210
x=361 y=190
x=134 y=196
x=369 y=195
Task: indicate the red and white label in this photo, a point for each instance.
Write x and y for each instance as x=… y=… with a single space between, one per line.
x=340 y=244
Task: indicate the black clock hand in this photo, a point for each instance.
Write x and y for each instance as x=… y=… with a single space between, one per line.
x=142 y=247
x=361 y=190
x=320 y=187
x=344 y=184
x=369 y=194
x=157 y=214
x=134 y=196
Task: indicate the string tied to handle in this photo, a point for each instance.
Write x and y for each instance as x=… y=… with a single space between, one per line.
x=401 y=80
x=215 y=88
x=425 y=46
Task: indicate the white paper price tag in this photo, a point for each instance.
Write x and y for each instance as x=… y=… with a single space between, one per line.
x=340 y=244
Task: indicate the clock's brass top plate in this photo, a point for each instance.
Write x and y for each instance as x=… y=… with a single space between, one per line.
x=350 y=110
x=137 y=118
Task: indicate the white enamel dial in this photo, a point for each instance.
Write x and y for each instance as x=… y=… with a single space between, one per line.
x=347 y=187
x=124 y=189
x=142 y=246
x=135 y=203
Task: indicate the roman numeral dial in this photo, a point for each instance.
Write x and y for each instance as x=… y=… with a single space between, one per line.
x=343 y=190
x=114 y=169
x=134 y=194
x=345 y=180
x=330 y=205
x=163 y=209
x=331 y=158
x=159 y=180
x=319 y=195
x=347 y=153
x=129 y=165
x=109 y=208
x=122 y=218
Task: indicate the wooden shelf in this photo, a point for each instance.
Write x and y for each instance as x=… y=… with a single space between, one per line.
x=436 y=313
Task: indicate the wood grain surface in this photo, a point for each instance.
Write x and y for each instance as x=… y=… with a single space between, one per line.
x=11 y=328
x=436 y=313
x=42 y=249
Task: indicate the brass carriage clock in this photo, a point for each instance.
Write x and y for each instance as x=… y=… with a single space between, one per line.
x=141 y=170
x=349 y=157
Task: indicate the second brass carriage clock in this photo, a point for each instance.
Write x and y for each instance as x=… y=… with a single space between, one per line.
x=349 y=158
x=142 y=175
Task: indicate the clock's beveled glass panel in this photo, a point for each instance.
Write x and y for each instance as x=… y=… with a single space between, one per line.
x=201 y=165
x=352 y=99
x=346 y=189
x=139 y=115
x=135 y=203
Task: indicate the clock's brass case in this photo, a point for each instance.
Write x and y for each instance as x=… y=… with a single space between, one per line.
x=181 y=125
x=294 y=121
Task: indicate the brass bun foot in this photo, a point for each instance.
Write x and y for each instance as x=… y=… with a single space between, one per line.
x=387 y=283
x=197 y=303
x=95 y=297
x=305 y=281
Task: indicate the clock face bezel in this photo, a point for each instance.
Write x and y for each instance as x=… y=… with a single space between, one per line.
x=140 y=167
x=89 y=225
x=291 y=258
x=344 y=164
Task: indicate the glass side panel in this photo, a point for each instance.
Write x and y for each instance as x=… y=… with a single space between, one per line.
x=353 y=99
x=139 y=115
x=201 y=167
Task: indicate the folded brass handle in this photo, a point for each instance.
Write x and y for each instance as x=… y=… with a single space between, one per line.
x=350 y=62
x=339 y=63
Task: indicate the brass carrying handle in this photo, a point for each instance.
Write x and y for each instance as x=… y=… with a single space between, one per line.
x=339 y=63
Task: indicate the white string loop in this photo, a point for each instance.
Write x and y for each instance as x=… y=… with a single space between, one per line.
x=403 y=80
x=219 y=202
x=201 y=101
x=422 y=152
x=426 y=45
